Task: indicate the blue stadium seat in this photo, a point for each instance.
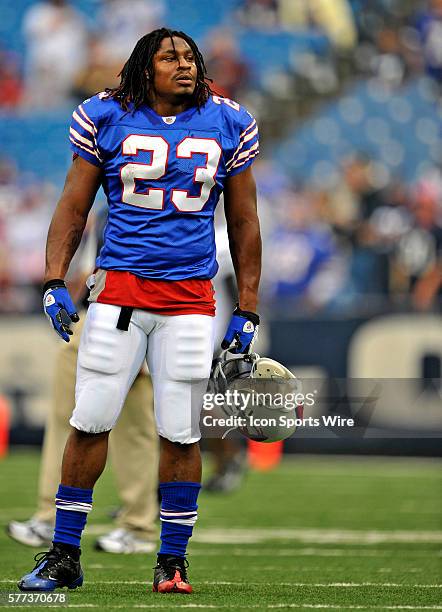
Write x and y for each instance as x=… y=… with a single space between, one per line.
x=398 y=128
x=38 y=144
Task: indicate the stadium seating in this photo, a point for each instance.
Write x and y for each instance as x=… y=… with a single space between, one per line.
x=398 y=128
x=38 y=143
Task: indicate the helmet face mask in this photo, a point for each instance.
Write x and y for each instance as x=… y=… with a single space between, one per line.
x=261 y=386
x=226 y=371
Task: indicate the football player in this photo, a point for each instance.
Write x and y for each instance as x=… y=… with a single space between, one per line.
x=164 y=148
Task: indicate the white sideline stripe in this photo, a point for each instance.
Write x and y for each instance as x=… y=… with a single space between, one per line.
x=245 y=607
x=333 y=585
x=306 y=536
x=315 y=536
x=308 y=552
x=318 y=585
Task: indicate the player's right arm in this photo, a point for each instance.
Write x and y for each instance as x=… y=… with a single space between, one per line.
x=64 y=236
x=70 y=216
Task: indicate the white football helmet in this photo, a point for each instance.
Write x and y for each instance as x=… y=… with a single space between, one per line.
x=271 y=400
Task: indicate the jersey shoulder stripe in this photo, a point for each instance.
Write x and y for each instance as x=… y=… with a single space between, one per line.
x=85 y=123
x=245 y=135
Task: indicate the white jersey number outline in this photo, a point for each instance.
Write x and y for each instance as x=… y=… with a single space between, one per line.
x=153 y=198
x=129 y=173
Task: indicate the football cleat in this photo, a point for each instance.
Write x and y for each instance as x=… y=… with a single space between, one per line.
x=122 y=541
x=270 y=404
x=54 y=569
x=170 y=575
x=31 y=533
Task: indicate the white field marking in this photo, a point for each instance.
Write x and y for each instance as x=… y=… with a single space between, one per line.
x=306 y=536
x=327 y=585
x=246 y=607
x=352 y=607
x=107 y=567
x=318 y=585
x=314 y=536
x=309 y=552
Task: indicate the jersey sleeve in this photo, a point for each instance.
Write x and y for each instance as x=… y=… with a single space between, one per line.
x=247 y=143
x=83 y=135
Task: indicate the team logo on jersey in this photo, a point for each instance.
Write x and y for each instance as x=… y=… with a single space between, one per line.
x=169 y=120
x=49 y=300
x=248 y=327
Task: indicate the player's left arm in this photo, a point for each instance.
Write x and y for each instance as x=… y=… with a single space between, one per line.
x=245 y=247
x=244 y=235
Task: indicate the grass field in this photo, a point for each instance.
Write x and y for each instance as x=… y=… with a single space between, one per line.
x=317 y=533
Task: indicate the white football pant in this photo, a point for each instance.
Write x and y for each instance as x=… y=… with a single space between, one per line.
x=178 y=350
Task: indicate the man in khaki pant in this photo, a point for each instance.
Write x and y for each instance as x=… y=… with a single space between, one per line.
x=133 y=438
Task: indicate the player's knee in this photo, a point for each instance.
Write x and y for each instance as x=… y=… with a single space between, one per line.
x=183 y=438
x=85 y=437
x=97 y=407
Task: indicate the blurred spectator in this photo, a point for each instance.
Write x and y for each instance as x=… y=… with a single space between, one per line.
x=27 y=233
x=56 y=50
x=349 y=209
x=259 y=14
x=10 y=81
x=305 y=269
x=429 y=25
x=419 y=252
x=225 y=65
x=10 y=198
x=11 y=192
x=122 y=23
x=24 y=218
x=390 y=220
x=97 y=74
x=388 y=63
x=333 y=17
x=354 y=198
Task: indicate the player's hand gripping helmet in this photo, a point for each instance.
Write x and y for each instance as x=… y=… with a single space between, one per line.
x=271 y=399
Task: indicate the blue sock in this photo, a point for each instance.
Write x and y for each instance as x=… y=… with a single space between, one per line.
x=73 y=505
x=178 y=515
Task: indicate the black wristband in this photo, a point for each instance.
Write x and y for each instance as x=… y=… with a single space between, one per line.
x=52 y=284
x=251 y=316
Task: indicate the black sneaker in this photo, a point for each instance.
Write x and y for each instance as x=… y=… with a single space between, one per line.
x=170 y=575
x=54 y=569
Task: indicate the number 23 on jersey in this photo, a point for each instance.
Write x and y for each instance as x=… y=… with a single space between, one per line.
x=153 y=198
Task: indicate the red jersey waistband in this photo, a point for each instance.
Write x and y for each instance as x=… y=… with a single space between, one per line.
x=120 y=288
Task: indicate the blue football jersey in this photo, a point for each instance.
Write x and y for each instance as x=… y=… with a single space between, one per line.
x=163 y=177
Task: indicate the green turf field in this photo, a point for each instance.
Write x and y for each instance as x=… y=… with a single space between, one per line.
x=317 y=533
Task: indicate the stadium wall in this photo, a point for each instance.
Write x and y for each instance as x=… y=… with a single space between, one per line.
x=343 y=358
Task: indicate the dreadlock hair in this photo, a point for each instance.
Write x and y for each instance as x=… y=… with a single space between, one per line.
x=138 y=73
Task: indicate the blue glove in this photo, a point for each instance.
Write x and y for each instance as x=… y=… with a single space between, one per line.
x=242 y=331
x=59 y=307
